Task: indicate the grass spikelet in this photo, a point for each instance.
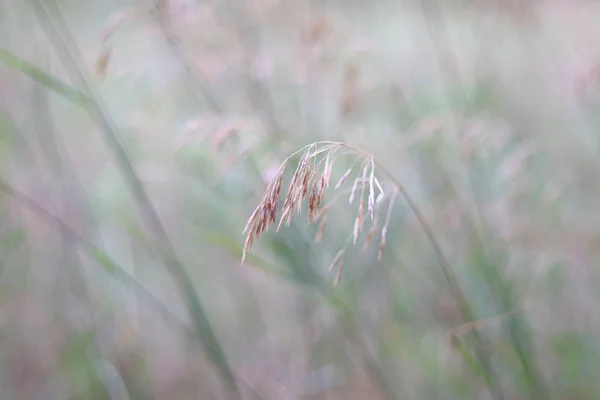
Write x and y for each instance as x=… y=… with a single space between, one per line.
x=358 y=223
x=276 y=189
x=312 y=202
x=371 y=234
x=381 y=193
x=343 y=179
x=371 y=202
x=337 y=258
x=385 y=227
x=382 y=243
x=327 y=169
x=265 y=213
x=321 y=229
x=338 y=275
x=285 y=217
x=353 y=192
x=304 y=185
x=321 y=190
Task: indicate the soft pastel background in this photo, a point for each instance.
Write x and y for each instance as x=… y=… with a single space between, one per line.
x=126 y=283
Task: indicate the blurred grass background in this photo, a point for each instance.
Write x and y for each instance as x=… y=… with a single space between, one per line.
x=137 y=137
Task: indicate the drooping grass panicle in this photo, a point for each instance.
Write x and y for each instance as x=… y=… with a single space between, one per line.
x=311 y=177
x=296 y=193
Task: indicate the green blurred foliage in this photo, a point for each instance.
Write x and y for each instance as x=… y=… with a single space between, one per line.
x=483 y=111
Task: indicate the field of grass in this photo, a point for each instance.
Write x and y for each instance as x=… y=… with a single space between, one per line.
x=434 y=165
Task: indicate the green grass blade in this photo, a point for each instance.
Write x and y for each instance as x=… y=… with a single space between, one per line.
x=44 y=79
x=71 y=58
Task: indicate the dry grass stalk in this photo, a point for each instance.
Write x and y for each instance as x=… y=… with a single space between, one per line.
x=311 y=178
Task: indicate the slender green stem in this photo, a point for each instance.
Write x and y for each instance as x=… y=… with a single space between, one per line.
x=449 y=275
x=41 y=77
x=72 y=60
x=105 y=261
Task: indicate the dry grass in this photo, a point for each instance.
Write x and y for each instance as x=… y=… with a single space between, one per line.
x=310 y=180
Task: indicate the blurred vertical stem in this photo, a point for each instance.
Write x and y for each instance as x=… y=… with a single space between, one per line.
x=161 y=14
x=107 y=263
x=501 y=291
x=451 y=279
x=72 y=199
x=517 y=331
x=303 y=273
x=72 y=61
x=194 y=74
x=258 y=93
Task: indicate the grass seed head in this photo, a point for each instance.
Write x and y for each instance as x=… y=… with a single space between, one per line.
x=309 y=181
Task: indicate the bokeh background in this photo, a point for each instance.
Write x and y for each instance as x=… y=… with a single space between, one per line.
x=137 y=137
